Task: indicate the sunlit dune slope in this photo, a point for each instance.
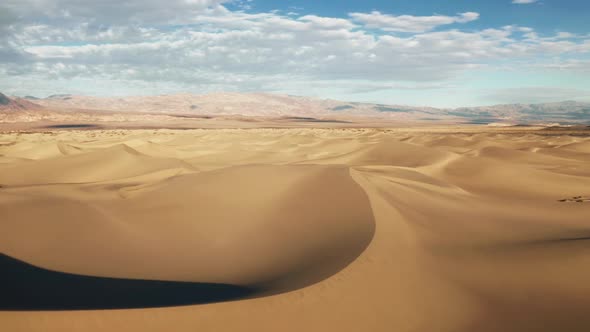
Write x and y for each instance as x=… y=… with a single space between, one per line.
x=338 y=230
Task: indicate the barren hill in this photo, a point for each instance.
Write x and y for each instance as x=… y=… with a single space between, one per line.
x=15 y=104
x=231 y=110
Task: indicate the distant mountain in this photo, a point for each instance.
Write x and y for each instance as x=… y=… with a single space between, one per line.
x=241 y=104
x=4 y=100
x=60 y=96
x=275 y=105
x=563 y=112
x=209 y=104
x=15 y=104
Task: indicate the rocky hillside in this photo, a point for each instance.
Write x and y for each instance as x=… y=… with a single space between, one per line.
x=8 y=104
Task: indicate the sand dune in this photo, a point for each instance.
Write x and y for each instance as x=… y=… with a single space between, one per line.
x=417 y=229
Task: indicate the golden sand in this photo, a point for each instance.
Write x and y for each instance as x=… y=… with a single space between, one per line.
x=343 y=229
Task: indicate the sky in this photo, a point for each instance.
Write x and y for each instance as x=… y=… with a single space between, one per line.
x=426 y=53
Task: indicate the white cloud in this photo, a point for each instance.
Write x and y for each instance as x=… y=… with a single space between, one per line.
x=569 y=65
x=106 y=12
x=327 y=22
x=408 y=23
x=203 y=46
x=523 y=2
x=276 y=45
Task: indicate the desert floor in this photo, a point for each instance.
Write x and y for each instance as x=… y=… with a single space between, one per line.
x=440 y=229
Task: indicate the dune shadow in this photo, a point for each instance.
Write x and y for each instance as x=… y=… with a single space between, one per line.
x=27 y=287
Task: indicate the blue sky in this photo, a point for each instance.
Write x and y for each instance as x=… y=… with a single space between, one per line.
x=545 y=16
x=435 y=53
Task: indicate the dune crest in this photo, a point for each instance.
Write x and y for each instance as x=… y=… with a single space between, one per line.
x=347 y=230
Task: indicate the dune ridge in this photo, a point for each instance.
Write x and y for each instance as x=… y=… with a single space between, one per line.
x=418 y=229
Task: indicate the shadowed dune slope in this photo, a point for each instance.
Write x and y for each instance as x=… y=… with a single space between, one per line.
x=26 y=287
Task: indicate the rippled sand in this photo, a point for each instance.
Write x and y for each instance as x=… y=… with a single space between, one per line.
x=332 y=229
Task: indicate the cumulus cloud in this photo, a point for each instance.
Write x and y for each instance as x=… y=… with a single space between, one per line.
x=408 y=23
x=200 y=45
x=106 y=12
x=327 y=22
x=523 y=2
x=571 y=65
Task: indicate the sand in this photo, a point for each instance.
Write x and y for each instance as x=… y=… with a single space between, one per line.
x=417 y=229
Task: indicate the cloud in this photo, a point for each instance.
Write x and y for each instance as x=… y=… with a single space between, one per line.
x=106 y=12
x=542 y=94
x=327 y=22
x=523 y=2
x=570 y=65
x=408 y=23
x=200 y=45
x=259 y=45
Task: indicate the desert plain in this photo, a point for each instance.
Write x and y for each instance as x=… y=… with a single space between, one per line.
x=440 y=228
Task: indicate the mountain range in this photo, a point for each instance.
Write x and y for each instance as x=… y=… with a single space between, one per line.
x=256 y=105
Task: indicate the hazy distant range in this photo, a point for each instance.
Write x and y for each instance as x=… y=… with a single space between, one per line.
x=67 y=108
